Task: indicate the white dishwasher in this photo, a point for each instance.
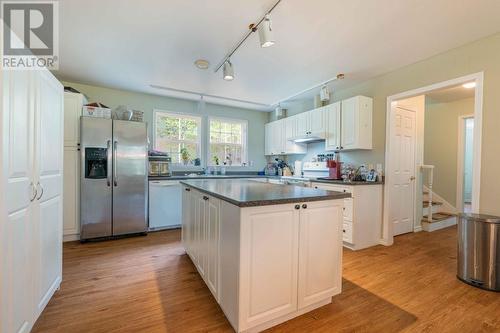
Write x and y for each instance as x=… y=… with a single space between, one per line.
x=165 y=204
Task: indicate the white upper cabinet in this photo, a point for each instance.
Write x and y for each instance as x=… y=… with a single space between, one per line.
x=278 y=134
x=72 y=111
x=317 y=121
x=356 y=127
x=303 y=120
x=333 y=126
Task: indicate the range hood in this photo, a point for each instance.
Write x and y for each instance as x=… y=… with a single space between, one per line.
x=309 y=138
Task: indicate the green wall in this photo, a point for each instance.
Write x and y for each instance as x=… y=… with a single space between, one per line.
x=148 y=103
x=441 y=143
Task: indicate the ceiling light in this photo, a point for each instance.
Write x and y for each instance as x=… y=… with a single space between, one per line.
x=228 y=72
x=266 y=32
x=202 y=64
x=469 y=85
x=324 y=94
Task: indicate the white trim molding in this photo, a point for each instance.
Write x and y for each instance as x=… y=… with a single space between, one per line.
x=461 y=160
x=387 y=232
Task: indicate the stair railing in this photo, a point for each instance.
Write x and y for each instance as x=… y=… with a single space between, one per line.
x=430 y=169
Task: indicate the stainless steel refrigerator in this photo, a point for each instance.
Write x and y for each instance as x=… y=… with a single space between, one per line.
x=113 y=198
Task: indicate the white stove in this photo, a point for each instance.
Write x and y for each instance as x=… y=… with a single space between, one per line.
x=315 y=170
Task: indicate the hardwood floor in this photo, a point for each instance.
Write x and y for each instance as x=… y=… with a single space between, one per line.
x=148 y=284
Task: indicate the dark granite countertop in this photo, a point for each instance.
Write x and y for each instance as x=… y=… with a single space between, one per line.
x=341 y=182
x=181 y=177
x=247 y=193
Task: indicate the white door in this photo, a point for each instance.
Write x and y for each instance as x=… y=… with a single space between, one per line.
x=71 y=212
x=16 y=290
x=333 y=126
x=402 y=171
x=317 y=121
x=349 y=122
x=269 y=256
x=212 y=249
x=320 y=252
x=268 y=139
x=72 y=112
x=48 y=203
x=303 y=123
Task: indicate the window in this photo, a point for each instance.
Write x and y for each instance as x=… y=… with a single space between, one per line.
x=173 y=132
x=228 y=141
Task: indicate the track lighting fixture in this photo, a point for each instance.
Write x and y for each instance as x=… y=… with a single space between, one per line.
x=228 y=72
x=266 y=32
x=263 y=25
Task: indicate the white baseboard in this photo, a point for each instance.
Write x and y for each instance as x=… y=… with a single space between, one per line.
x=71 y=238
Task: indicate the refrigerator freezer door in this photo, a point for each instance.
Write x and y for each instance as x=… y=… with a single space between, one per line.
x=96 y=190
x=129 y=177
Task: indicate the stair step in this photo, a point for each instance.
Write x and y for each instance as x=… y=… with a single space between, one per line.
x=425 y=203
x=436 y=217
x=425 y=192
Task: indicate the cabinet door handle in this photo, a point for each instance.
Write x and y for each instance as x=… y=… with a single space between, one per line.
x=304 y=206
x=297 y=206
x=33 y=191
x=337 y=147
x=205 y=197
x=41 y=194
x=343 y=230
x=343 y=208
x=188 y=189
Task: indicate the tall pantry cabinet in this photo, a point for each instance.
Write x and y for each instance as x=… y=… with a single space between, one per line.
x=31 y=203
x=73 y=103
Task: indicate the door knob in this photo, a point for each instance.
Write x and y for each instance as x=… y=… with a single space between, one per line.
x=297 y=206
x=304 y=206
x=412 y=178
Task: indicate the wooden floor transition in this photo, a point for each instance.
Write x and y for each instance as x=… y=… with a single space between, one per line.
x=148 y=284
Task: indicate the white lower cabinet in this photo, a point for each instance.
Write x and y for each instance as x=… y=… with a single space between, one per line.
x=200 y=234
x=265 y=264
x=362 y=214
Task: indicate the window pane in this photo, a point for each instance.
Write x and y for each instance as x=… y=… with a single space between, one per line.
x=226 y=141
x=189 y=129
x=174 y=132
x=167 y=127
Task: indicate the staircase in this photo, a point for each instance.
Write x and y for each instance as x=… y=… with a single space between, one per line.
x=434 y=216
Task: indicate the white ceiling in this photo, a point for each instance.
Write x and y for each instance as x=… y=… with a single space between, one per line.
x=450 y=94
x=134 y=44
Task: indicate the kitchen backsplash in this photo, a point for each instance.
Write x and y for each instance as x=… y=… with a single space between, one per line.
x=314 y=149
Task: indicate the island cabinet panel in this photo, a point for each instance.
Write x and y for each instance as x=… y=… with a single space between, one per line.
x=264 y=264
x=212 y=208
x=320 y=238
x=269 y=263
x=200 y=234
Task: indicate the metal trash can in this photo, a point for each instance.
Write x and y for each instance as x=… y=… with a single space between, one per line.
x=479 y=250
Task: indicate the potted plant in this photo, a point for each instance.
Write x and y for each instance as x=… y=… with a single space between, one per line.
x=185 y=155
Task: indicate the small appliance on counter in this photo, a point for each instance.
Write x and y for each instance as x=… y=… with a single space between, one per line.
x=159 y=166
x=334 y=168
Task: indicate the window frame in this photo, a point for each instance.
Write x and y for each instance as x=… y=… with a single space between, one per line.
x=158 y=113
x=244 y=140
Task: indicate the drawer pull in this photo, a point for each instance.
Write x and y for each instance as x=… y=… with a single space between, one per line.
x=343 y=230
x=304 y=206
x=297 y=206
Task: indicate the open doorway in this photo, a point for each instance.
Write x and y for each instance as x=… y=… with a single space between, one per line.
x=465 y=164
x=404 y=213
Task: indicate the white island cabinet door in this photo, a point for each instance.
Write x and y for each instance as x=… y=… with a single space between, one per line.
x=186 y=215
x=320 y=251
x=269 y=257
x=212 y=207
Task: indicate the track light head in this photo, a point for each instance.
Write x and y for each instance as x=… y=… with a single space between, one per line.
x=228 y=71
x=266 y=32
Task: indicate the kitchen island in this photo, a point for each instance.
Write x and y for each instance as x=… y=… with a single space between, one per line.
x=267 y=252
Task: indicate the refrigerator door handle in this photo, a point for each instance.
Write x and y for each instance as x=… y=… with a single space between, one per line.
x=115 y=162
x=110 y=158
